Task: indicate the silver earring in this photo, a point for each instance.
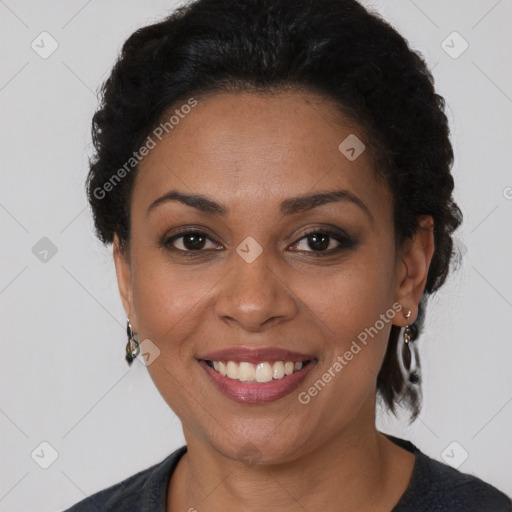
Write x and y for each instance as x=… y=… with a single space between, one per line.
x=132 y=347
x=410 y=372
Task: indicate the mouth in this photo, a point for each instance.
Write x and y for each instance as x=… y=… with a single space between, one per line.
x=264 y=371
x=256 y=383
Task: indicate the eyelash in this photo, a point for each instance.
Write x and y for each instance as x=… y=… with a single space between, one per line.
x=343 y=239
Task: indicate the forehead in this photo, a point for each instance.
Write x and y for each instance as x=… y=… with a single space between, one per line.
x=251 y=148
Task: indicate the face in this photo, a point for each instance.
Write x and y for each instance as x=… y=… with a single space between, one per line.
x=253 y=264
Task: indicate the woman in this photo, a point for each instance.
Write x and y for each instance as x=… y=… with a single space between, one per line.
x=274 y=177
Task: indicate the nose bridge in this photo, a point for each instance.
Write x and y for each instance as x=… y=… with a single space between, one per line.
x=252 y=293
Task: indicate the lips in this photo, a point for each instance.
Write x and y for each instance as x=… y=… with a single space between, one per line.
x=266 y=390
x=254 y=355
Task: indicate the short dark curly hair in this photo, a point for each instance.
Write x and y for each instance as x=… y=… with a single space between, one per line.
x=334 y=48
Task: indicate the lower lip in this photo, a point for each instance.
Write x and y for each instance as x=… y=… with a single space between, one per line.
x=255 y=392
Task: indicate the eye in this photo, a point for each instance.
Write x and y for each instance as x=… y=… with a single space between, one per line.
x=323 y=241
x=189 y=241
x=317 y=242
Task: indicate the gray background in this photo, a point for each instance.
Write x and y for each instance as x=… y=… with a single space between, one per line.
x=63 y=377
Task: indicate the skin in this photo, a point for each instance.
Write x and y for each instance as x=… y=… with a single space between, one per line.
x=248 y=153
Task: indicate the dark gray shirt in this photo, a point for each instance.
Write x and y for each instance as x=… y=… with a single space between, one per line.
x=434 y=487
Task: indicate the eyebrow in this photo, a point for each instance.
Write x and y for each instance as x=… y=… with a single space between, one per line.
x=289 y=206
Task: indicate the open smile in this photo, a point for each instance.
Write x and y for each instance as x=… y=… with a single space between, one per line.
x=252 y=375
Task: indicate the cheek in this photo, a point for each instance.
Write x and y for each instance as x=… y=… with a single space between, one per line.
x=350 y=297
x=166 y=299
x=352 y=306
x=167 y=302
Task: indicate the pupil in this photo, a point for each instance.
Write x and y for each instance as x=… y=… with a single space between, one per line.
x=318 y=241
x=193 y=241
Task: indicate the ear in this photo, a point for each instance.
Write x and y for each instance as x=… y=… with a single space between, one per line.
x=413 y=262
x=124 y=280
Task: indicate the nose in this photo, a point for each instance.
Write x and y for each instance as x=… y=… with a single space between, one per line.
x=254 y=295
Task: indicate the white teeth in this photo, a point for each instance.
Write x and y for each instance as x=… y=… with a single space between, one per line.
x=262 y=372
x=246 y=372
x=278 y=370
x=232 y=370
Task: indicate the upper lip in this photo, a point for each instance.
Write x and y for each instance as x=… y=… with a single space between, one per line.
x=255 y=355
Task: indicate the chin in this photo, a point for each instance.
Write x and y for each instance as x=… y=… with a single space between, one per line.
x=261 y=450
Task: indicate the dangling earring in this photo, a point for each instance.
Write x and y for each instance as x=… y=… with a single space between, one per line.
x=132 y=347
x=411 y=375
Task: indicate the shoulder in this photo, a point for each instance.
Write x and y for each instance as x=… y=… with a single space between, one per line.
x=435 y=486
x=456 y=491
x=143 y=491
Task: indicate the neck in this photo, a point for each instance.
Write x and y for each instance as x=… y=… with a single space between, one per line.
x=359 y=469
